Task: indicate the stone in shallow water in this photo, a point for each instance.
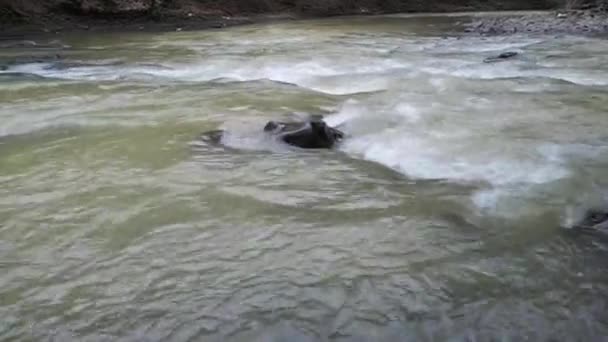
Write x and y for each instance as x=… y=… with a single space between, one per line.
x=594 y=221
x=312 y=134
x=501 y=57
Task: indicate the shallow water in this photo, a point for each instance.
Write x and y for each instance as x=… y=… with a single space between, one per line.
x=438 y=217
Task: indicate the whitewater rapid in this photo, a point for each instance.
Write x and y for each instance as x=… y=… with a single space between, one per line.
x=426 y=107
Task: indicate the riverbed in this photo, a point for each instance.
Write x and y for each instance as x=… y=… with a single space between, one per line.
x=440 y=215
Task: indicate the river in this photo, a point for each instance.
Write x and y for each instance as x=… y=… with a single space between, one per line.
x=438 y=217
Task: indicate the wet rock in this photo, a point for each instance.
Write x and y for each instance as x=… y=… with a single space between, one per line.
x=594 y=221
x=218 y=25
x=501 y=57
x=313 y=134
x=507 y=54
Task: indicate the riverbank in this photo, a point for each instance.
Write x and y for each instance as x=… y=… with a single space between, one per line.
x=19 y=16
x=31 y=18
x=574 y=22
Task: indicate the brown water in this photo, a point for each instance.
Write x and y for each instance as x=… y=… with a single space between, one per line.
x=439 y=217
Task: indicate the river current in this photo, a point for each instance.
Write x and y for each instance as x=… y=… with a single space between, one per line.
x=439 y=217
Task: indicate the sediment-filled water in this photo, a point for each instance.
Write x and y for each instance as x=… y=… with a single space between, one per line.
x=439 y=216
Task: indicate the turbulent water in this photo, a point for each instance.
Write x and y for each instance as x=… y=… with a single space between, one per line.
x=440 y=215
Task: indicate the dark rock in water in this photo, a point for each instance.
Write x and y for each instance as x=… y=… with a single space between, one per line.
x=508 y=54
x=501 y=57
x=312 y=134
x=594 y=221
x=218 y=25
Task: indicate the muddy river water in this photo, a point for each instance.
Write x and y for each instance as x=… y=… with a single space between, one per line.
x=438 y=217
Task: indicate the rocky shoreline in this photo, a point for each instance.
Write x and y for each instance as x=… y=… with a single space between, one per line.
x=575 y=22
x=54 y=16
x=18 y=22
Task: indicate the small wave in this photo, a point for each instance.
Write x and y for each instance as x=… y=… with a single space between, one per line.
x=511 y=70
x=420 y=158
x=20 y=44
x=109 y=70
x=303 y=73
x=426 y=143
x=19 y=76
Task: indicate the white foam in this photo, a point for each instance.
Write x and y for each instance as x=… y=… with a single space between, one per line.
x=244 y=135
x=314 y=74
x=350 y=68
x=457 y=160
x=424 y=142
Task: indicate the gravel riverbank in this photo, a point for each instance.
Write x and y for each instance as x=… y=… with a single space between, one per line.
x=587 y=22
